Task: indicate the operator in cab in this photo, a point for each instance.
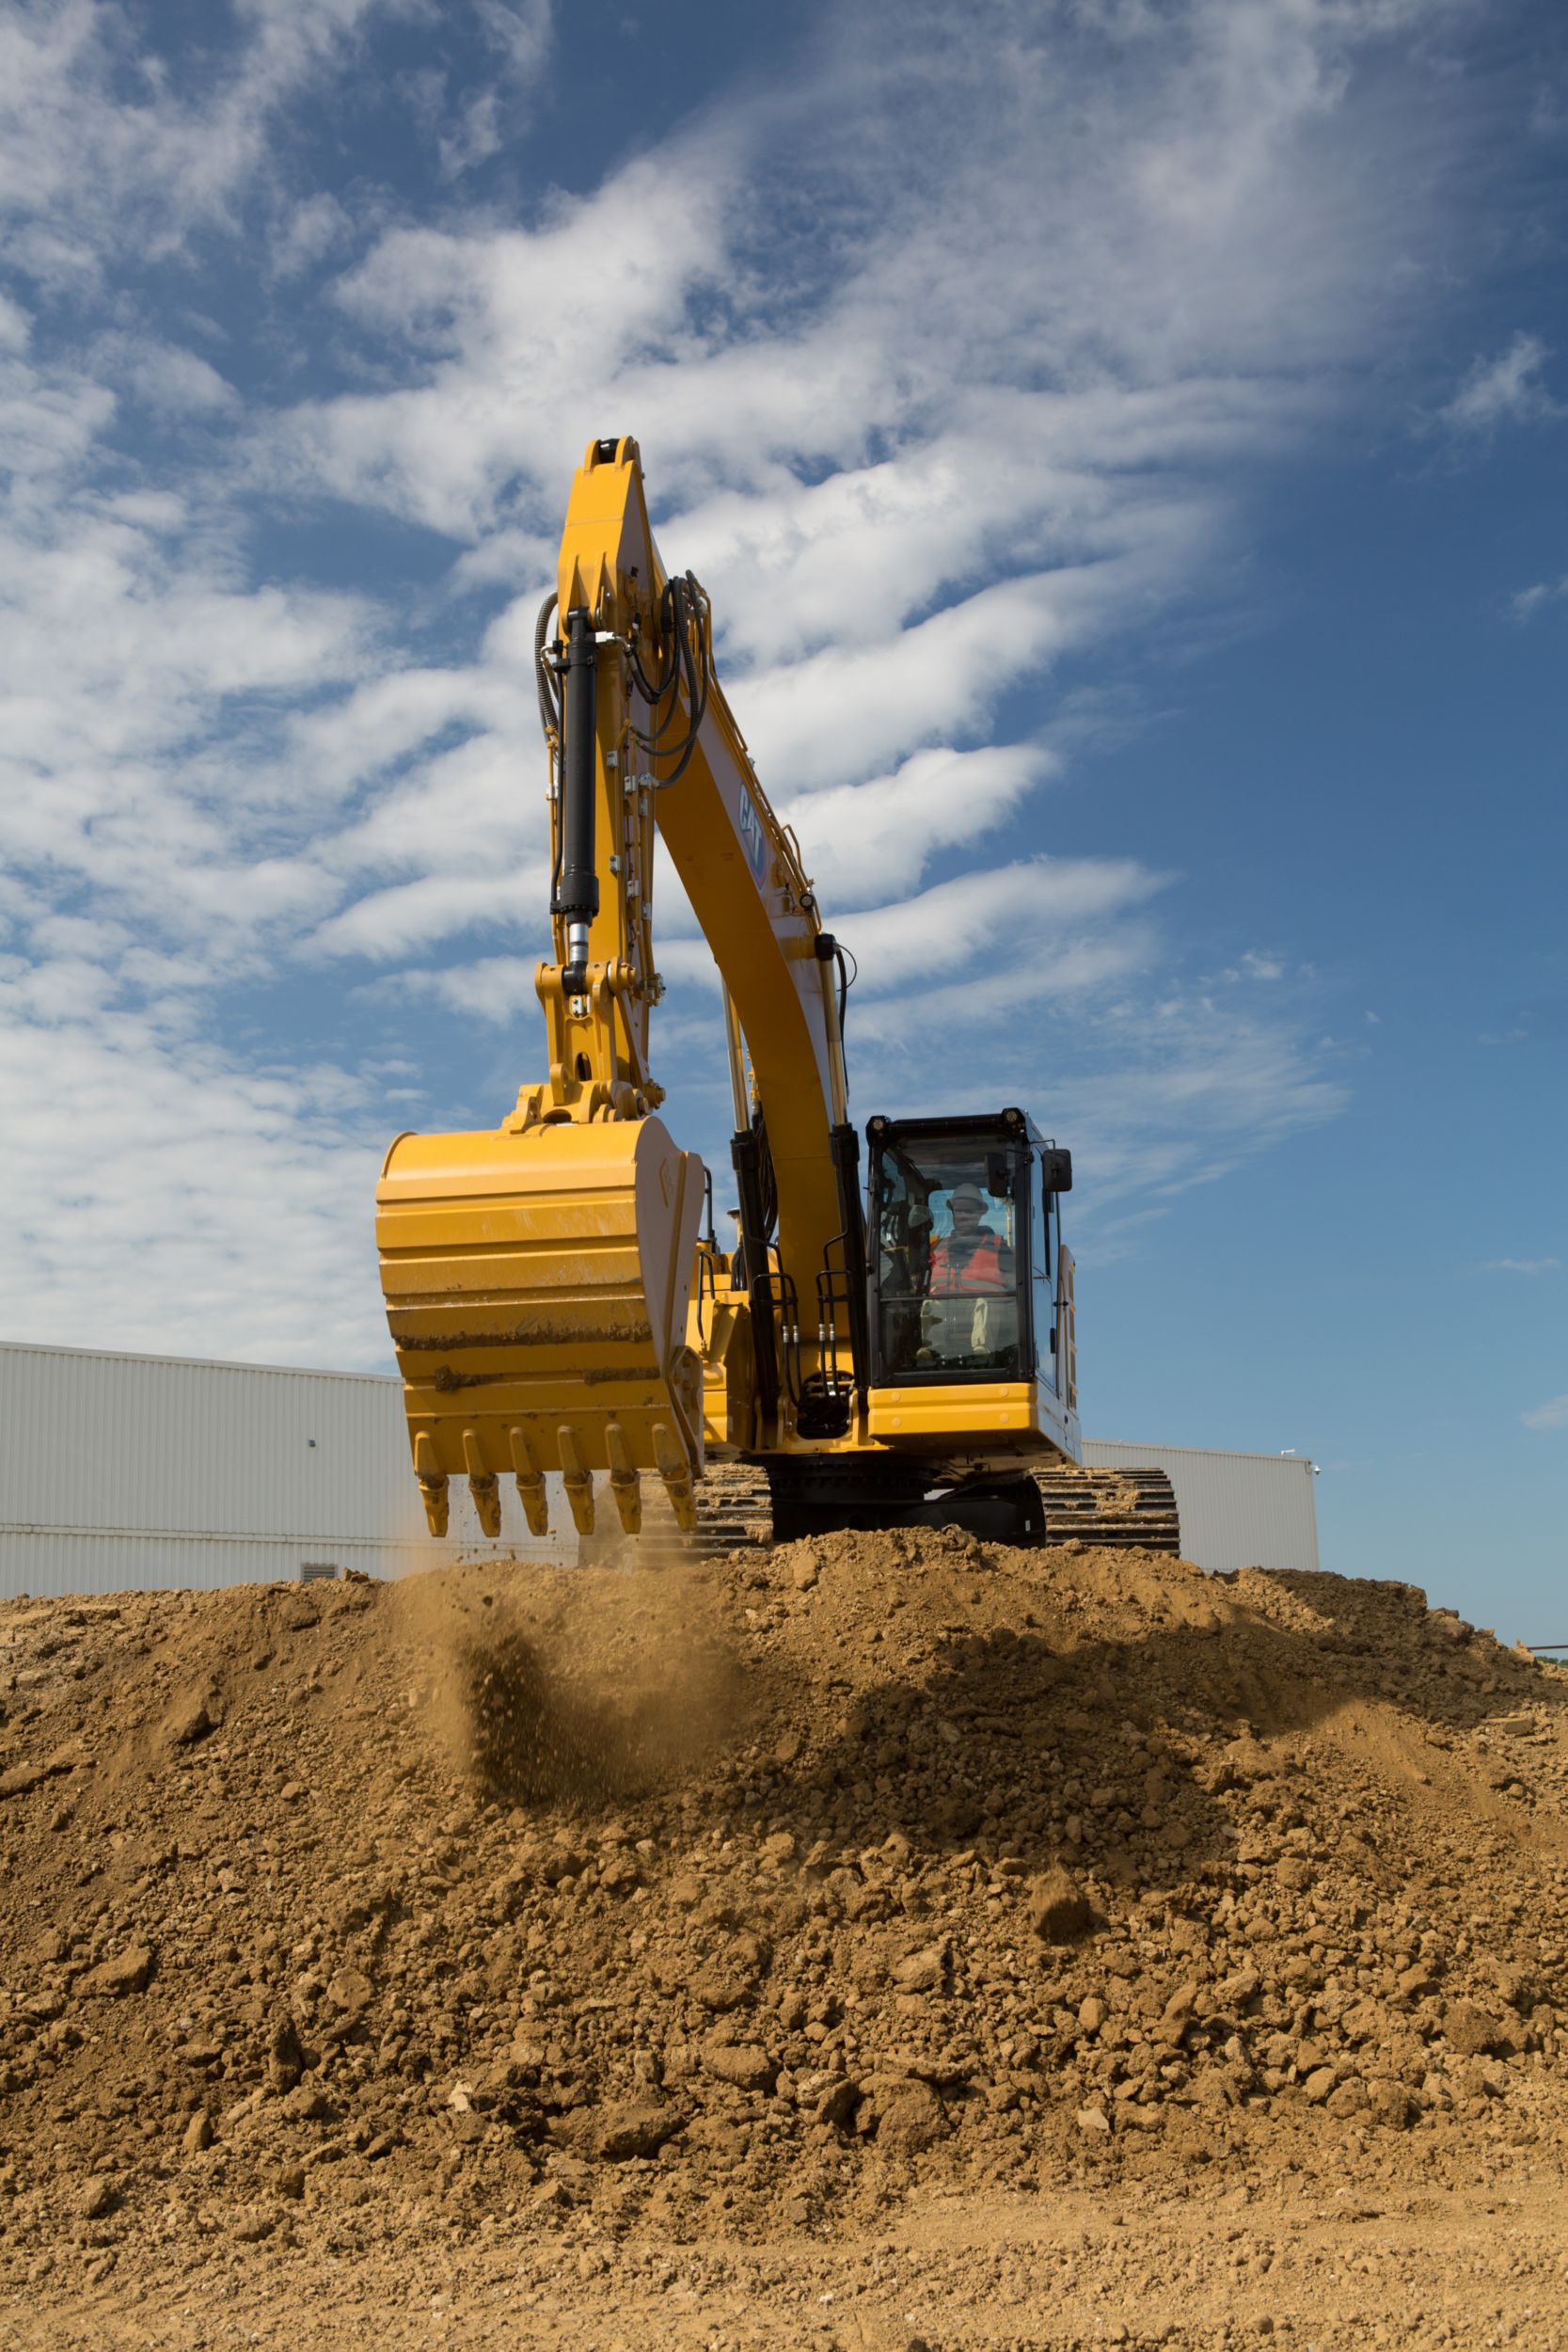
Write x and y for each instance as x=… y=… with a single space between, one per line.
x=971 y=1259
x=970 y=1310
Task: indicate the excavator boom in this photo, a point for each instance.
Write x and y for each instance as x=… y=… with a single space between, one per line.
x=538 y=1277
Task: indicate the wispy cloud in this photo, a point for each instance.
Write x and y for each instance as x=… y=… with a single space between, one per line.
x=176 y=1196
x=1523 y=1265
x=114 y=146
x=517 y=35
x=1552 y=1415
x=1506 y=390
x=1527 y=602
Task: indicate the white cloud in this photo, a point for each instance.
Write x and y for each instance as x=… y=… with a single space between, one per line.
x=49 y=421
x=174 y=382
x=491 y=987
x=390 y=925
x=313 y=231
x=880 y=835
x=128 y=652
x=1002 y=919
x=1151 y=263
x=1505 y=390
x=1527 y=602
x=519 y=325
x=173 y=1199
x=1155 y=1088
x=1523 y=1265
x=846 y=560
x=518 y=35
x=1552 y=1415
x=519 y=32
x=345 y=743
x=840 y=713
x=101 y=151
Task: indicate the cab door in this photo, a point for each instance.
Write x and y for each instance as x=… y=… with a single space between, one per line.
x=1042 y=1296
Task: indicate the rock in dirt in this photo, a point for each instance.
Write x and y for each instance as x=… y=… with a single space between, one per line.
x=924 y=1971
x=834 y=2101
x=1059 y=1911
x=249 y=2224
x=627 y=2128
x=285 y=2054
x=127 y=1972
x=909 y=2117
x=1471 y=2030
x=188 y=1720
x=746 y=2064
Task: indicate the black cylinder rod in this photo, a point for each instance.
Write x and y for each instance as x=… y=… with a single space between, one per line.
x=576 y=896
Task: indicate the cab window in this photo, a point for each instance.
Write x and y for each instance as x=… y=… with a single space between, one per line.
x=949 y=1263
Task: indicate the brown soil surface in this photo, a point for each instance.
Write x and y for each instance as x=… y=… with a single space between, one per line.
x=890 y=1940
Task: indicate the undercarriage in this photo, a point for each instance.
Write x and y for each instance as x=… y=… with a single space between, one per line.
x=750 y=1506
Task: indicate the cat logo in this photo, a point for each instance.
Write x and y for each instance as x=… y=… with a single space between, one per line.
x=752 y=839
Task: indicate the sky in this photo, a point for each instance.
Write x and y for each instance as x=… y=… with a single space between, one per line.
x=1126 y=446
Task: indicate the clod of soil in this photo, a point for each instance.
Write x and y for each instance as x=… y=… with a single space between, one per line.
x=759 y=1893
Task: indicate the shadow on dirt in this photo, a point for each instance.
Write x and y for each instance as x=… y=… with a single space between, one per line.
x=1004 y=1738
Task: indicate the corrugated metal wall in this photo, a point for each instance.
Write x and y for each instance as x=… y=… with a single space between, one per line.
x=1237 y=1510
x=121 y=1470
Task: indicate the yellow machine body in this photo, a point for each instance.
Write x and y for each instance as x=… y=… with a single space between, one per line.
x=552 y=1307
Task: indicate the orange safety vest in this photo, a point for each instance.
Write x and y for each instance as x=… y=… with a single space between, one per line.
x=953 y=1277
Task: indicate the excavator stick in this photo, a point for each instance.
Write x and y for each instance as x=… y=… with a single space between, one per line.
x=537 y=1287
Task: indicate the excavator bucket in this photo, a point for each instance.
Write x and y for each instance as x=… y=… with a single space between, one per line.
x=536 y=1286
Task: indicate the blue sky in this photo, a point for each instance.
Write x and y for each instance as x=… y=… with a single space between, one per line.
x=1126 y=446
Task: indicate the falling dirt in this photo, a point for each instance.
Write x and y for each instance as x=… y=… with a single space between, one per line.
x=891 y=1940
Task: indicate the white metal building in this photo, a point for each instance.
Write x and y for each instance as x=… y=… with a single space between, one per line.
x=1237 y=1510
x=119 y=1471
x=133 y=1470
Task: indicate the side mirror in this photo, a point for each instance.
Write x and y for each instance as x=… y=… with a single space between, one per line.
x=1055 y=1168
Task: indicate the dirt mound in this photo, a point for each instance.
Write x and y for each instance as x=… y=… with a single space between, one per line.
x=758 y=1892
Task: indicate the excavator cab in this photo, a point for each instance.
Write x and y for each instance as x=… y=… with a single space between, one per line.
x=963 y=1258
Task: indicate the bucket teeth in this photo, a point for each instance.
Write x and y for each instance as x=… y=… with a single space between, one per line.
x=433 y=1483
x=624 y=1485
x=578 y=1480
x=675 y=1471
x=487 y=1504
x=530 y=1483
x=482 y=1485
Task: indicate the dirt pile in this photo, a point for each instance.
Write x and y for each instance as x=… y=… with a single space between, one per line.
x=755 y=1893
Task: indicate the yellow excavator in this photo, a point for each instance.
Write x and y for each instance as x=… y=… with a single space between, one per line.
x=559 y=1299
